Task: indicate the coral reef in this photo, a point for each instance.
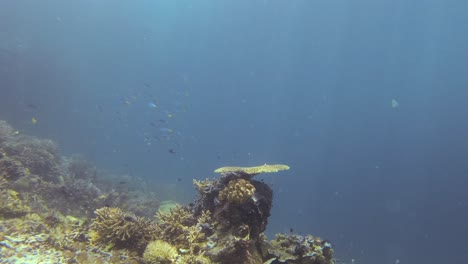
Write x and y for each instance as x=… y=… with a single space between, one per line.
x=115 y=229
x=79 y=168
x=40 y=156
x=298 y=249
x=237 y=192
x=11 y=204
x=240 y=207
x=6 y=132
x=70 y=212
x=160 y=252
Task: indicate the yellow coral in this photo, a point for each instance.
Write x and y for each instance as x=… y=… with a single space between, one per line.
x=11 y=204
x=160 y=252
x=265 y=168
x=201 y=185
x=238 y=191
x=114 y=229
x=195 y=259
x=174 y=226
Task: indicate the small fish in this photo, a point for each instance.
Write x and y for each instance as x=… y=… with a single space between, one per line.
x=172 y=151
x=395 y=104
x=165 y=129
x=291 y=230
x=33 y=106
x=152 y=105
x=170 y=115
x=33 y=120
x=179 y=179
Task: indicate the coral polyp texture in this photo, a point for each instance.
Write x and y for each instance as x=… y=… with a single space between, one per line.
x=160 y=252
x=237 y=192
x=56 y=209
x=114 y=229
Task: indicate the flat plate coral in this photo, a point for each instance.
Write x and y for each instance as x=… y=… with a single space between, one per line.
x=265 y=168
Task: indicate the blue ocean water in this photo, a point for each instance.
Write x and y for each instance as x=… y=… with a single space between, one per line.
x=365 y=100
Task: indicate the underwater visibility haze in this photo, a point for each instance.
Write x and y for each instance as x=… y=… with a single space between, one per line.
x=364 y=100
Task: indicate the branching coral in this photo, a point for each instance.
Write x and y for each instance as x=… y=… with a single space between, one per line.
x=114 y=229
x=187 y=232
x=237 y=192
x=173 y=226
x=202 y=186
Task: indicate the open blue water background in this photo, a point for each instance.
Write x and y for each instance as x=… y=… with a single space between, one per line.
x=308 y=83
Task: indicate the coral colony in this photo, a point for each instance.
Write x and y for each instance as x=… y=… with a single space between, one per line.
x=56 y=209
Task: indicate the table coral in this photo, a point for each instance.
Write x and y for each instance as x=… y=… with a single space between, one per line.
x=265 y=168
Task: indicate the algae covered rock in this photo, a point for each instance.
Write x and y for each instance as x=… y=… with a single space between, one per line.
x=11 y=204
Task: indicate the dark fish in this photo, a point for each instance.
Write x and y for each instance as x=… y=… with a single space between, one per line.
x=33 y=106
x=291 y=230
x=172 y=151
x=122 y=182
x=179 y=179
